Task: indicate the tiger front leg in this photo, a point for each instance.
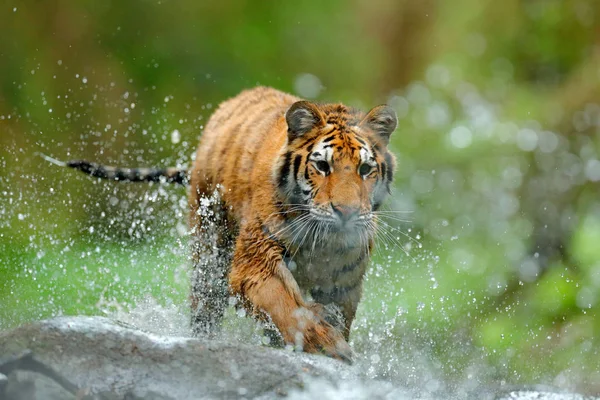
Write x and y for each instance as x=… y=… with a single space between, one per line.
x=212 y=251
x=209 y=292
x=340 y=304
x=260 y=277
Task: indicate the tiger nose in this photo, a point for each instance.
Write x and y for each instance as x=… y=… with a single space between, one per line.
x=345 y=213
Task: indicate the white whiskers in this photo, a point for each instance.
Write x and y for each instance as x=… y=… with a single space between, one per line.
x=310 y=230
x=385 y=232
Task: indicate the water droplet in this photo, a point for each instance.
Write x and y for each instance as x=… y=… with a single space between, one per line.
x=308 y=85
x=527 y=139
x=175 y=136
x=461 y=137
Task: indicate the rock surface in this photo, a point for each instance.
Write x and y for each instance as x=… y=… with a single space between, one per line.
x=96 y=358
x=111 y=360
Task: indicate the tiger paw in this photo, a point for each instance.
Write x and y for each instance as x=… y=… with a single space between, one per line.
x=331 y=313
x=316 y=335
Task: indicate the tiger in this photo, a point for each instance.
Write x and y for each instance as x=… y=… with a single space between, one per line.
x=282 y=196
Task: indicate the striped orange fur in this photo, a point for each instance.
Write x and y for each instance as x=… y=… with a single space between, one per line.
x=289 y=225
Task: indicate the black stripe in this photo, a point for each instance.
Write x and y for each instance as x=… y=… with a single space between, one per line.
x=87 y=167
x=123 y=175
x=337 y=294
x=312 y=140
x=271 y=236
x=278 y=204
x=350 y=266
x=180 y=177
x=238 y=159
x=226 y=148
x=284 y=171
x=342 y=250
x=388 y=162
x=327 y=133
x=329 y=139
x=383 y=170
x=297 y=162
x=131 y=174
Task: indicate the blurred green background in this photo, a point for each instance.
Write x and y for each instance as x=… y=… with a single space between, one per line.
x=495 y=275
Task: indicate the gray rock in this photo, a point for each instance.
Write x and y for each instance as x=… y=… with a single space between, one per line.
x=95 y=358
x=112 y=360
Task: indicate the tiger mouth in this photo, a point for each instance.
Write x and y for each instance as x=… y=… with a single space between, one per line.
x=361 y=222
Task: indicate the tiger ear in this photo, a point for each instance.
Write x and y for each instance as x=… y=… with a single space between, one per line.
x=382 y=120
x=302 y=117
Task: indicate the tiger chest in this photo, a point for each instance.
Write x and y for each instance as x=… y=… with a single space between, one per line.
x=327 y=267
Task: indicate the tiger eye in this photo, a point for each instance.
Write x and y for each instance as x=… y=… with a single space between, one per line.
x=364 y=169
x=323 y=166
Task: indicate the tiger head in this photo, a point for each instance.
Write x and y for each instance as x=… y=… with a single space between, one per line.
x=336 y=169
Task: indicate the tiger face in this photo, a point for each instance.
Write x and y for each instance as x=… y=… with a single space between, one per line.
x=336 y=168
